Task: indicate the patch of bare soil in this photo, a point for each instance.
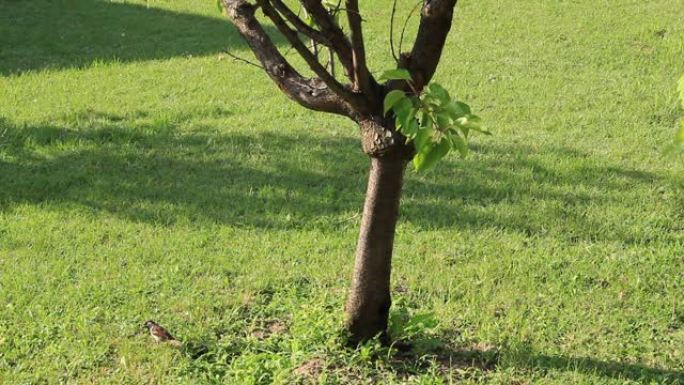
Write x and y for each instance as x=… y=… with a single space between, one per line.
x=271 y=328
x=310 y=369
x=449 y=360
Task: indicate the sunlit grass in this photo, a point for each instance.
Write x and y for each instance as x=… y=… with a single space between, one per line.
x=143 y=174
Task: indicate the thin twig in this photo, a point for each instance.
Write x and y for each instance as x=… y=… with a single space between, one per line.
x=237 y=58
x=331 y=28
x=401 y=38
x=394 y=11
x=351 y=11
x=300 y=25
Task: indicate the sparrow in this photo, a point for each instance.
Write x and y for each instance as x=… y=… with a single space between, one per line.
x=160 y=334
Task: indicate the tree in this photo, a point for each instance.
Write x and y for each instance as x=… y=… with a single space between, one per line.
x=402 y=118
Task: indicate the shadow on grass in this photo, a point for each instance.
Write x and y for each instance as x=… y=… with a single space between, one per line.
x=612 y=369
x=37 y=35
x=434 y=356
x=420 y=348
x=141 y=167
x=449 y=360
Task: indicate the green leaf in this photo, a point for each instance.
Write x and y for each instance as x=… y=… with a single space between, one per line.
x=420 y=115
x=402 y=109
x=439 y=93
x=396 y=74
x=407 y=123
x=410 y=128
x=409 y=119
x=219 y=5
x=423 y=138
x=431 y=101
x=459 y=130
x=430 y=155
x=392 y=98
x=472 y=122
x=459 y=144
x=457 y=109
x=431 y=120
x=425 y=119
x=443 y=120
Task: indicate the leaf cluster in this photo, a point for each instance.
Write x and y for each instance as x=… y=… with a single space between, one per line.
x=431 y=119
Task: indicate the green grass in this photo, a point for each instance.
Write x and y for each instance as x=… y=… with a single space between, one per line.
x=144 y=175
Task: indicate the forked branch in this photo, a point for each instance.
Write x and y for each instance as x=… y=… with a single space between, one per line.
x=300 y=25
x=355 y=100
x=329 y=27
x=310 y=93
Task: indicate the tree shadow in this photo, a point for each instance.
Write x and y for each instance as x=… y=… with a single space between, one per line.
x=146 y=171
x=36 y=35
x=436 y=352
x=450 y=360
x=541 y=191
x=611 y=369
x=142 y=168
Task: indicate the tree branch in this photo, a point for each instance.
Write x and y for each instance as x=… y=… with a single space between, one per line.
x=340 y=43
x=363 y=80
x=310 y=93
x=435 y=23
x=356 y=100
x=299 y=24
x=243 y=60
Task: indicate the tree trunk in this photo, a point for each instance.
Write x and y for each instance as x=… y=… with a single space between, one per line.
x=369 y=299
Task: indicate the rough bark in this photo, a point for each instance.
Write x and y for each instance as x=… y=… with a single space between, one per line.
x=369 y=298
x=379 y=138
x=363 y=81
x=435 y=23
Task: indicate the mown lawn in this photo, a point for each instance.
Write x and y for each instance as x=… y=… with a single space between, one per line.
x=145 y=175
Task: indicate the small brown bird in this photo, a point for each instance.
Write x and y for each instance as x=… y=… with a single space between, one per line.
x=160 y=334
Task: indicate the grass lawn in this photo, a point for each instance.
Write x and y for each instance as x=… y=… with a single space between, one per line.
x=145 y=175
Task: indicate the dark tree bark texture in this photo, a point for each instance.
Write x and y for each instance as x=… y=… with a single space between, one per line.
x=361 y=100
x=369 y=298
